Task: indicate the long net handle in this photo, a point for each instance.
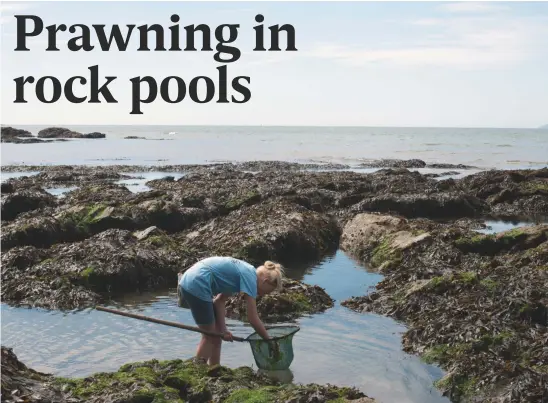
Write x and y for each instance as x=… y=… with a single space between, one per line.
x=164 y=322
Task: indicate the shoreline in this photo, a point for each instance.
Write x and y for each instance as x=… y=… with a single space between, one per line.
x=224 y=209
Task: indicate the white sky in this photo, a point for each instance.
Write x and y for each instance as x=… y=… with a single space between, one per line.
x=364 y=64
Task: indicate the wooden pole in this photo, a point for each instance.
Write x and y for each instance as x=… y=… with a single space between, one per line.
x=164 y=322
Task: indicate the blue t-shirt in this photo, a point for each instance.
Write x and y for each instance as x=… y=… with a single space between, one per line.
x=219 y=275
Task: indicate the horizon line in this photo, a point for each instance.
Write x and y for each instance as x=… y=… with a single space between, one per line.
x=281 y=126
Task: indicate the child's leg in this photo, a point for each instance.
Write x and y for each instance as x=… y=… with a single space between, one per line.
x=215 y=357
x=204 y=316
x=207 y=345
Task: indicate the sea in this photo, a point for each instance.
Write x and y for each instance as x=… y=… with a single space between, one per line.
x=338 y=346
x=482 y=148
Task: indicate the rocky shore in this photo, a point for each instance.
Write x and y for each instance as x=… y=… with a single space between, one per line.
x=475 y=304
x=19 y=136
x=162 y=381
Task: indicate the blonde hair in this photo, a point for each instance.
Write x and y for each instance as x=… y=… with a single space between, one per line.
x=274 y=272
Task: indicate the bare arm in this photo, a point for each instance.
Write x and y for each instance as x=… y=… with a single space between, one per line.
x=254 y=319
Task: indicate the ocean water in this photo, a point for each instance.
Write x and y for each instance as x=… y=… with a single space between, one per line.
x=484 y=148
x=338 y=346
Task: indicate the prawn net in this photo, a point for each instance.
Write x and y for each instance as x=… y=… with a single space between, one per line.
x=276 y=354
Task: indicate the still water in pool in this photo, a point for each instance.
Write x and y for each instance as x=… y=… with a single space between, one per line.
x=339 y=346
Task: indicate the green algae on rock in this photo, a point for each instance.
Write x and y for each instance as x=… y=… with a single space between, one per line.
x=21 y=201
x=79 y=274
x=274 y=230
x=294 y=300
x=156 y=381
x=481 y=314
x=379 y=240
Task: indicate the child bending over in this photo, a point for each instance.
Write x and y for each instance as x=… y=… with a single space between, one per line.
x=206 y=286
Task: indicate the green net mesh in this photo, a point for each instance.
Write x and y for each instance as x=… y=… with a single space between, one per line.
x=275 y=355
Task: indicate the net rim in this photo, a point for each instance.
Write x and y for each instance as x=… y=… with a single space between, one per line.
x=291 y=333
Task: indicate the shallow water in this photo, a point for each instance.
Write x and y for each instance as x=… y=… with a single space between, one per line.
x=496 y=226
x=137 y=184
x=485 y=148
x=338 y=346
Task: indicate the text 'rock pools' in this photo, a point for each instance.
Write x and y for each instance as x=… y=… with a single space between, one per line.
x=162 y=381
x=475 y=304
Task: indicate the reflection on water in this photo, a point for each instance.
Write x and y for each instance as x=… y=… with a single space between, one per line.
x=60 y=192
x=137 y=184
x=496 y=226
x=10 y=175
x=283 y=376
x=338 y=346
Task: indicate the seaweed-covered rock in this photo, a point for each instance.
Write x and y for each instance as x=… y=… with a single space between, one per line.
x=21 y=201
x=58 y=132
x=80 y=221
x=7 y=187
x=163 y=381
x=437 y=205
x=93 y=135
x=379 y=240
x=511 y=193
x=23 y=384
x=475 y=304
x=294 y=300
x=8 y=131
x=188 y=380
x=394 y=163
x=61 y=132
x=65 y=176
x=18 y=136
x=276 y=230
x=82 y=273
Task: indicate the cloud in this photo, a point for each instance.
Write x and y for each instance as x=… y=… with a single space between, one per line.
x=469 y=42
x=8 y=10
x=470 y=7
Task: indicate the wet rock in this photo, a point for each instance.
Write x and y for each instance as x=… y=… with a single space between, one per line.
x=68 y=177
x=153 y=380
x=17 y=136
x=79 y=274
x=191 y=381
x=80 y=221
x=479 y=311
x=94 y=135
x=58 y=132
x=294 y=300
x=511 y=192
x=23 y=257
x=150 y=231
x=64 y=133
x=395 y=163
x=275 y=230
x=23 y=384
x=449 y=166
x=7 y=187
x=100 y=193
x=21 y=201
x=7 y=131
x=380 y=240
x=34 y=231
x=438 y=205
x=512 y=240
x=448 y=173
